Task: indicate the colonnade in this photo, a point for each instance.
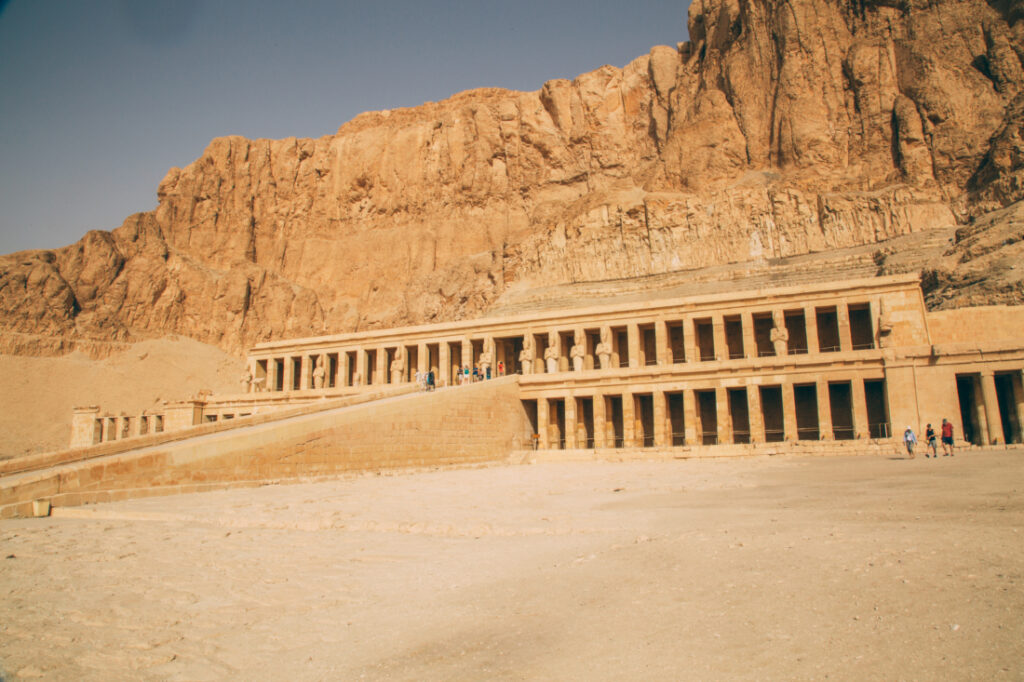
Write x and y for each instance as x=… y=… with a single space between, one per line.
x=615 y=343
x=713 y=414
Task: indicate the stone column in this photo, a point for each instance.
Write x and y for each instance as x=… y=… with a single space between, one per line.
x=860 y=409
x=304 y=373
x=995 y=421
x=271 y=381
x=359 y=379
x=422 y=358
x=749 y=342
x=690 y=340
x=721 y=347
x=629 y=418
x=661 y=342
x=467 y=355
x=845 y=336
x=543 y=423
x=662 y=433
x=724 y=416
x=570 y=423
x=599 y=422
x=789 y=411
x=755 y=415
x=633 y=333
x=289 y=374
x=979 y=410
x=690 y=417
x=444 y=361
x=811 y=323
x=824 y=411
x=383 y=371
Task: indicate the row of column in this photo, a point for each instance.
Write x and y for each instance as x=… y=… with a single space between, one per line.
x=632 y=427
x=589 y=348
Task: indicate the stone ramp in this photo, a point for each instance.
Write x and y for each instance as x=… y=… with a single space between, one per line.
x=44 y=460
x=452 y=426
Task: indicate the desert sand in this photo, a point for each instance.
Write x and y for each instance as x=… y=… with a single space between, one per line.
x=39 y=393
x=769 y=568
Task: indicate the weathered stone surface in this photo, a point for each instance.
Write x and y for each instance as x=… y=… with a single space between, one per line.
x=781 y=128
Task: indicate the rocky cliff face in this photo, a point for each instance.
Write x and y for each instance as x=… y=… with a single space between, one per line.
x=781 y=127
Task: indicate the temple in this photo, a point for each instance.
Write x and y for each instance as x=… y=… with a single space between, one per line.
x=854 y=360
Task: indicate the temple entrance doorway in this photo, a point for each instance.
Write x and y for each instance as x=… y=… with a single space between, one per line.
x=1008 y=406
x=878 y=408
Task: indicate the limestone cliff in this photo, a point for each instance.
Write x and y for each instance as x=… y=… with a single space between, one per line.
x=780 y=128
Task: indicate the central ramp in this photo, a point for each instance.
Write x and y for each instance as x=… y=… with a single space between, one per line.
x=460 y=425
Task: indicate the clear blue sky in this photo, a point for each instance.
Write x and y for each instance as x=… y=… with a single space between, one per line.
x=98 y=98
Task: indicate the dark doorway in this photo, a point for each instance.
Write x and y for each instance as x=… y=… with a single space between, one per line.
x=763 y=325
x=676 y=418
x=585 y=419
x=878 y=408
x=705 y=333
x=841 y=406
x=828 y=330
x=707 y=412
x=613 y=412
x=644 y=406
x=1007 y=408
x=805 y=396
x=772 y=413
x=740 y=411
x=862 y=333
x=734 y=336
x=796 y=328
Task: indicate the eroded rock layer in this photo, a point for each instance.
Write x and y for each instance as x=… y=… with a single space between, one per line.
x=780 y=128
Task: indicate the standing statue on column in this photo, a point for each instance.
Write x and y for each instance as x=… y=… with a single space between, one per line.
x=884 y=325
x=486 y=358
x=246 y=380
x=551 y=353
x=527 y=355
x=604 y=348
x=397 y=369
x=780 y=337
x=319 y=373
x=578 y=351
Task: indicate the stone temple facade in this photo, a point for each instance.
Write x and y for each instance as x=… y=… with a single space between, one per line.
x=854 y=360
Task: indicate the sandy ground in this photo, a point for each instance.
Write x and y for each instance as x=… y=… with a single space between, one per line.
x=856 y=568
x=37 y=394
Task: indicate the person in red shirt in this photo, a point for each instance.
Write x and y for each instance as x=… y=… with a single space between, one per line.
x=947 y=438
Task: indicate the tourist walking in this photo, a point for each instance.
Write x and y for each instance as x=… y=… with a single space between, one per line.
x=501 y=368
x=947 y=438
x=430 y=380
x=930 y=443
x=909 y=440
